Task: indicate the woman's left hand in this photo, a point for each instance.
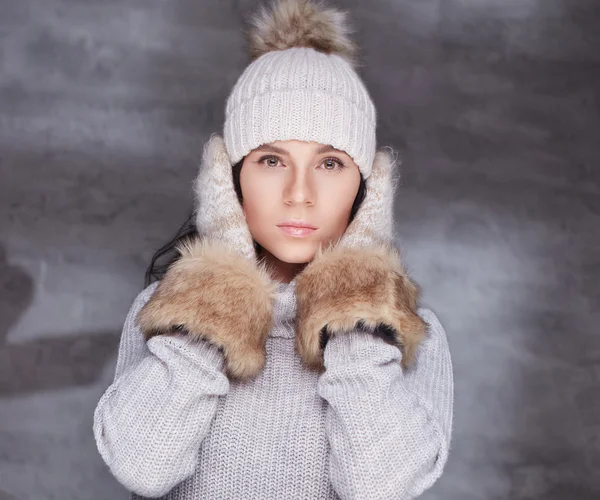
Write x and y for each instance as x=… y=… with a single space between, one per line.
x=360 y=281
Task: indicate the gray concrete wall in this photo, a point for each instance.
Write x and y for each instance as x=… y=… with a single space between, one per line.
x=494 y=107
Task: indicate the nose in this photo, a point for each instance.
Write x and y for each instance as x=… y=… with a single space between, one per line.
x=299 y=189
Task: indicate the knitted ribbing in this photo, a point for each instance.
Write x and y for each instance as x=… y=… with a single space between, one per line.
x=171 y=423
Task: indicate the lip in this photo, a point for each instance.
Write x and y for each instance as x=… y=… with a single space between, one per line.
x=297 y=228
x=299 y=232
x=296 y=223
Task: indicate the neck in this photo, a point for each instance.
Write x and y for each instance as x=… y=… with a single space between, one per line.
x=281 y=271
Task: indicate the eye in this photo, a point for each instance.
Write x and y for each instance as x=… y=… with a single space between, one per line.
x=332 y=164
x=269 y=161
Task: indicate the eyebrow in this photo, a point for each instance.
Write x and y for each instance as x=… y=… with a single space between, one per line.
x=275 y=149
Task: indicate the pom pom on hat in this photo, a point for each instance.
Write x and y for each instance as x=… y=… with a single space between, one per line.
x=301 y=23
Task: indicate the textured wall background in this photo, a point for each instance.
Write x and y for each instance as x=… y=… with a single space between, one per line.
x=494 y=107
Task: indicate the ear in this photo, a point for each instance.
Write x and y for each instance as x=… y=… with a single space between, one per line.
x=374 y=221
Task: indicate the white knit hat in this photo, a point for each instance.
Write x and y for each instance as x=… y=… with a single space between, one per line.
x=301 y=85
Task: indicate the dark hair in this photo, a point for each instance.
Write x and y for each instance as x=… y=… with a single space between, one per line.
x=168 y=252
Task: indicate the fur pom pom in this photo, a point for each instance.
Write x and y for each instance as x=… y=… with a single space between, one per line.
x=301 y=23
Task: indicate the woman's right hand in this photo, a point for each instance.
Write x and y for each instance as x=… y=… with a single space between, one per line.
x=216 y=291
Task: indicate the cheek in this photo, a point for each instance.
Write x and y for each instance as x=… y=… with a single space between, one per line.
x=336 y=204
x=257 y=198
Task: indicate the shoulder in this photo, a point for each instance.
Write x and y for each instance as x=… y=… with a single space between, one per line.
x=145 y=294
x=132 y=346
x=140 y=300
x=429 y=317
x=434 y=325
x=433 y=354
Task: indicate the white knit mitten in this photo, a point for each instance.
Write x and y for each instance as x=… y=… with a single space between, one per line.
x=360 y=280
x=216 y=291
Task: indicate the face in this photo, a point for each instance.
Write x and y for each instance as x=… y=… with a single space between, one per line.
x=295 y=181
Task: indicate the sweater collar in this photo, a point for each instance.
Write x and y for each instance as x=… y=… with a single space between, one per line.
x=284 y=310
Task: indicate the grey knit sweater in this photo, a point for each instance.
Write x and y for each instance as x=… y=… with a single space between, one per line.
x=173 y=426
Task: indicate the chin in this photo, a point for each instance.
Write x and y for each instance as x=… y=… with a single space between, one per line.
x=294 y=252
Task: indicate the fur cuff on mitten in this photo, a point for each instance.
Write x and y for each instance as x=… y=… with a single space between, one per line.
x=215 y=294
x=344 y=288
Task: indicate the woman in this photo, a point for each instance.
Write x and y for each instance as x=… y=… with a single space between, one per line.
x=282 y=354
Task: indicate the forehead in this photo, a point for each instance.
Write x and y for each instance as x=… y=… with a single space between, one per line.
x=295 y=146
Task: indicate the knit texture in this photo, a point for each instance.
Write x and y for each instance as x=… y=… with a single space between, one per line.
x=173 y=426
x=305 y=95
x=219 y=215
